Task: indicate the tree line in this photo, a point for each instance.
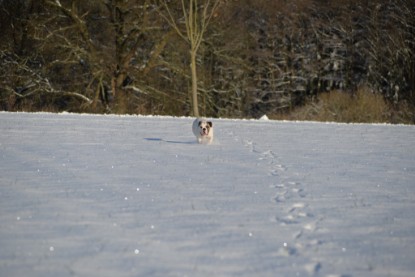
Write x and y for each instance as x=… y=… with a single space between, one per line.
x=253 y=57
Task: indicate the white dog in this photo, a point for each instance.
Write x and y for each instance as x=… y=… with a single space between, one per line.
x=203 y=130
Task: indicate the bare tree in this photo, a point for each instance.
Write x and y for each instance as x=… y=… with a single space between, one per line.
x=105 y=37
x=196 y=19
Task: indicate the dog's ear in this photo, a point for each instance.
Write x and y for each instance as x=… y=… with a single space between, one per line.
x=198 y=124
x=210 y=123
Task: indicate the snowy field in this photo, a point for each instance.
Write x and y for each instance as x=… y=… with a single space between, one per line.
x=88 y=195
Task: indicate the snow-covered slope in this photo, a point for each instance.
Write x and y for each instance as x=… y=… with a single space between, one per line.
x=85 y=195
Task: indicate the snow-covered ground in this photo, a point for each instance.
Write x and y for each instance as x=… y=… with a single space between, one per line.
x=87 y=195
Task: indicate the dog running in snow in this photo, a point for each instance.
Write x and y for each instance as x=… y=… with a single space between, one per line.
x=203 y=130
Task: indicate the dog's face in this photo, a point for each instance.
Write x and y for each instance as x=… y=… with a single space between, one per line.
x=204 y=127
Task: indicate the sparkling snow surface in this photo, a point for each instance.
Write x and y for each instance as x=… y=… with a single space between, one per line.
x=87 y=195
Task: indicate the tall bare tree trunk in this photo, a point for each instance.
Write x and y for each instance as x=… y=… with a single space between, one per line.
x=196 y=19
x=194 y=82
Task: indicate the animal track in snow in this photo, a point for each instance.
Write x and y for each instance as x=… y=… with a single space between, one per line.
x=291 y=196
x=296 y=213
x=289 y=191
x=313 y=268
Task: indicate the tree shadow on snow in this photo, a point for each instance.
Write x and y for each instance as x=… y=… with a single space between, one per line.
x=170 y=141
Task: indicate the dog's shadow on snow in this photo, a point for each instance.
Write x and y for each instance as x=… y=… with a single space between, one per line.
x=170 y=141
